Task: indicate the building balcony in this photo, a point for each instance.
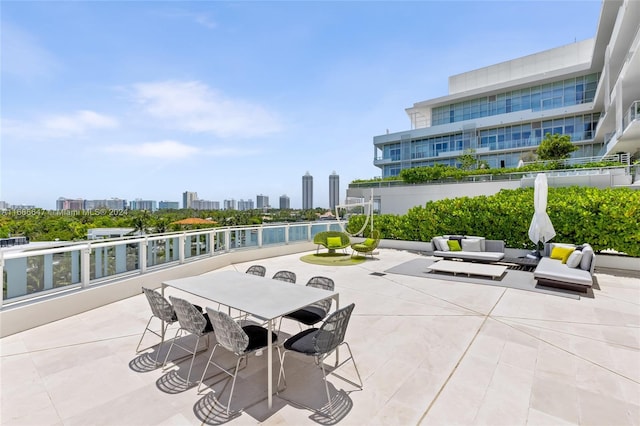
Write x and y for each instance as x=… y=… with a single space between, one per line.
x=429 y=350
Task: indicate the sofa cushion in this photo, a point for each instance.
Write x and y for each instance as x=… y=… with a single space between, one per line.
x=561 y=253
x=440 y=243
x=587 y=257
x=454 y=245
x=471 y=244
x=574 y=259
x=482 y=241
x=555 y=270
x=485 y=256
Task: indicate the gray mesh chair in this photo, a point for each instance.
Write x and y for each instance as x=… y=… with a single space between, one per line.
x=316 y=312
x=287 y=276
x=161 y=309
x=192 y=321
x=320 y=343
x=242 y=341
x=258 y=270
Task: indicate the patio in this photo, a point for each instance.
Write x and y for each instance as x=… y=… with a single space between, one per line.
x=430 y=351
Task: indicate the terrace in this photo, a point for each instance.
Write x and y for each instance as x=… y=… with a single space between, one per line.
x=430 y=351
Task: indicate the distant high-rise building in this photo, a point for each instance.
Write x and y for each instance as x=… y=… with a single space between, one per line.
x=112 y=203
x=187 y=199
x=4 y=205
x=334 y=190
x=285 y=203
x=307 y=192
x=244 y=205
x=230 y=204
x=69 y=204
x=166 y=205
x=205 y=205
x=262 y=201
x=138 y=204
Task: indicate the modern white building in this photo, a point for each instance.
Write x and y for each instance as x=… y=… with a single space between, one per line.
x=245 y=205
x=138 y=204
x=205 y=205
x=589 y=90
x=187 y=198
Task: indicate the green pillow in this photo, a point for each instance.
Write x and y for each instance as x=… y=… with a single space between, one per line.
x=334 y=242
x=454 y=245
x=369 y=242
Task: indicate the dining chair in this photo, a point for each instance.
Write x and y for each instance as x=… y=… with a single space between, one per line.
x=320 y=343
x=162 y=310
x=287 y=276
x=191 y=321
x=258 y=270
x=241 y=341
x=316 y=312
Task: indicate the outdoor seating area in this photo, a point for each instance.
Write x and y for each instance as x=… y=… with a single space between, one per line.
x=331 y=240
x=455 y=352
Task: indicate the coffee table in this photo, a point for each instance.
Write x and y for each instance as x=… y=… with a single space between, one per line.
x=468 y=268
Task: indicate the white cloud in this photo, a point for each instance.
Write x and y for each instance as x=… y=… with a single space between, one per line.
x=58 y=126
x=22 y=55
x=193 y=106
x=167 y=150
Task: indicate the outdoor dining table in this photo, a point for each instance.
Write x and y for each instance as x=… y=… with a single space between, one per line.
x=264 y=298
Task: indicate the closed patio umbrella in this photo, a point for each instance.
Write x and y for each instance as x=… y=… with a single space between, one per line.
x=541 y=228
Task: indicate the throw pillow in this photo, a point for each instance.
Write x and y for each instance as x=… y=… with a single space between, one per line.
x=574 y=259
x=471 y=244
x=440 y=243
x=454 y=245
x=587 y=258
x=334 y=242
x=561 y=253
x=369 y=242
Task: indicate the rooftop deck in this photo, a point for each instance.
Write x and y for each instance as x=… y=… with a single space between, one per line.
x=429 y=352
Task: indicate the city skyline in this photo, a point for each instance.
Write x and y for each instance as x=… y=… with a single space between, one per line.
x=144 y=99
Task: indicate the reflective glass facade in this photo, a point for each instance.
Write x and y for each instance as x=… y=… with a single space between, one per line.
x=563 y=93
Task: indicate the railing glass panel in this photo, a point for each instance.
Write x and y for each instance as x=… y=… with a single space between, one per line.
x=35 y=275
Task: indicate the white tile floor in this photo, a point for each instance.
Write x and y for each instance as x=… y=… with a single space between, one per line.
x=429 y=351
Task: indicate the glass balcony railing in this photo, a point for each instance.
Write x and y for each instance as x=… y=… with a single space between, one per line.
x=43 y=272
x=633 y=113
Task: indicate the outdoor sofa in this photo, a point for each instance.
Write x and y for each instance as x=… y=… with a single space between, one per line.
x=566 y=266
x=468 y=248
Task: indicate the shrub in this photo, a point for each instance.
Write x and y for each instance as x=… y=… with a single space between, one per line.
x=605 y=218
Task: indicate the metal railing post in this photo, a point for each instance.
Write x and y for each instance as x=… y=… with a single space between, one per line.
x=142 y=253
x=181 y=242
x=85 y=266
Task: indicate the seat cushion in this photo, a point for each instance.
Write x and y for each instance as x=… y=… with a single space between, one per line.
x=308 y=315
x=302 y=342
x=209 y=327
x=334 y=242
x=258 y=337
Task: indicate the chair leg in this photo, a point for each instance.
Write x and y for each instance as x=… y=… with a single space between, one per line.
x=233 y=384
x=281 y=372
x=193 y=358
x=326 y=387
x=143 y=333
x=354 y=364
x=207 y=367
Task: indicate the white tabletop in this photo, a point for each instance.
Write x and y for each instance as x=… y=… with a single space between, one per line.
x=260 y=296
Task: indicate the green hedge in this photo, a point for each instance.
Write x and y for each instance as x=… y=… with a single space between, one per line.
x=605 y=218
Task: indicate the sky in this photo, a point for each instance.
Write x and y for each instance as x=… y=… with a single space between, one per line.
x=148 y=99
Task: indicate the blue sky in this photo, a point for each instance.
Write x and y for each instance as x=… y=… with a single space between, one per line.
x=148 y=99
